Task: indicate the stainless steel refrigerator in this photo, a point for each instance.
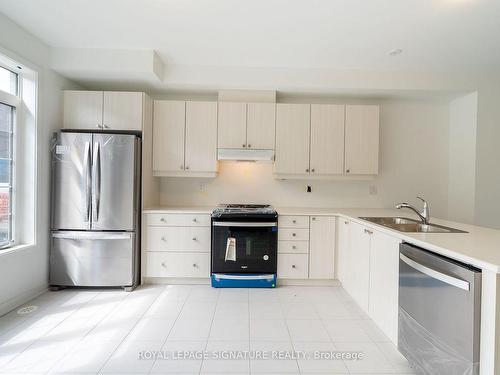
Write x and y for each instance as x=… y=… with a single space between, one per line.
x=95 y=210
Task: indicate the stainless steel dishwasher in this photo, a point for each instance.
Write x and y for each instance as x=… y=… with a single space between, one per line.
x=439 y=313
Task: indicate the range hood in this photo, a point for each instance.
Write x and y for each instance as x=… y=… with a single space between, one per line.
x=243 y=154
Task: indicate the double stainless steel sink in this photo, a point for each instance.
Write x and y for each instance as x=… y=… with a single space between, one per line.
x=404 y=224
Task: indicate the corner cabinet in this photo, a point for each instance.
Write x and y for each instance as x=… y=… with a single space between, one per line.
x=103 y=110
x=184 y=138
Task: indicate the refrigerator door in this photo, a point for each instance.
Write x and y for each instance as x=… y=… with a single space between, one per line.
x=114 y=182
x=71 y=181
x=92 y=259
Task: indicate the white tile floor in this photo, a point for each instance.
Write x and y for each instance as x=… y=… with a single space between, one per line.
x=103 y=332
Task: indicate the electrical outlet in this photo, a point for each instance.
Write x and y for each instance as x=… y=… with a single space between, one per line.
x=202 y=187
x=309 y=189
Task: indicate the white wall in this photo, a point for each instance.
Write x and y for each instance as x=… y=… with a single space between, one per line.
x=487 y=194
x=24 y=273
x=413 y=161
x=462 y=168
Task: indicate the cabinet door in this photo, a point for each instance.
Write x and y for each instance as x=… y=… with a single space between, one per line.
x=327 y=139
x=201 y=137
x=232 y=125
x=292 y=138
x=123 y=110
x=384 y=283
x=169 y=122
x=361 y=139
x=322 y=247
x=261 y=125
x=343 y=252
x=83 y=110
x=359 y=264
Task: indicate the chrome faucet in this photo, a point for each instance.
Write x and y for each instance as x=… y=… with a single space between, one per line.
x=424 y=215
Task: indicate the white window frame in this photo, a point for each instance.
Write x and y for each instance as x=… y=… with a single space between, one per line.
x=14 y=101
x=24 y=183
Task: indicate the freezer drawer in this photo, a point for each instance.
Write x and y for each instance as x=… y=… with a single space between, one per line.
x=92 y=259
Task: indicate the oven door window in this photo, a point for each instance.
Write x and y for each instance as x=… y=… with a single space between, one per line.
x=244 y=249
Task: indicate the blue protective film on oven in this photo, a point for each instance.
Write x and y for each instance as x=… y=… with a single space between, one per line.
x=243 y=281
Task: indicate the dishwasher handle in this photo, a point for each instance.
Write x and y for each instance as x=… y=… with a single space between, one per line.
x=450 y=280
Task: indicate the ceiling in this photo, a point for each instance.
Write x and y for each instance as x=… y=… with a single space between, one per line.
x=435 y=35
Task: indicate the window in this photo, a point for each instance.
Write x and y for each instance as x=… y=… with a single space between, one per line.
x=8 y=89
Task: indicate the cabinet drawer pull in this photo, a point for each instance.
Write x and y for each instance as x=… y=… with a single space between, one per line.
x=164 y=239
x=98 y=125
x=163 y=264
x=347 y=170
x=194 y=220
x=249 y=145
x=294 y=247
x=195 y=239
x=294 y=234
x=346 y=222
x=313 y=219
x=187 y=167
x=294 y=221
x=367 y=231
x=307 y=170
x=293 y=266
x=312 y=170
x=163 y=220
x=244 y=145
x=195 y=265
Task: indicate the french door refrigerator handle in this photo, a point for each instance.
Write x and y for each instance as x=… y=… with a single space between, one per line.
x=96 y=182
x=91 y=236
x=450 y=280
x=86 y=182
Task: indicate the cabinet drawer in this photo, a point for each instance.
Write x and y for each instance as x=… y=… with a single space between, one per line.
x=293 y=247
x=178 y=239
x=293 y=266
x=160 y=264
x=179 y=220
x=293 y=221
x=289 y=234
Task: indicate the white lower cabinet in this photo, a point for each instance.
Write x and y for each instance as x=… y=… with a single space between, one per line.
x=293 y=266
x=368 y=268
x=177 y=245
x=179 y=239
x=384 y=283
x=322 y=247
x=164 y=264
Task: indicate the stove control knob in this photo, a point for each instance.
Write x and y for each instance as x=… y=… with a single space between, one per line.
x=265 y=257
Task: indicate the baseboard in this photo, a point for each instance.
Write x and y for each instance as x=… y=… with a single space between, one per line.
x=203 y=281
x=17 y=301
x=308 y=282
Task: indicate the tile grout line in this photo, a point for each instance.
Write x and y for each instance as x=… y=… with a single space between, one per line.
x=210 y=330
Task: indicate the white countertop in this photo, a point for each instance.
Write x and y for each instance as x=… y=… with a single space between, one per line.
x=479 y=247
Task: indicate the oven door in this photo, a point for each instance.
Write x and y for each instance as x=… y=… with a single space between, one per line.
x=244 y=247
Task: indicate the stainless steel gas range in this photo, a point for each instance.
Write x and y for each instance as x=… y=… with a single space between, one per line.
x=244 y=246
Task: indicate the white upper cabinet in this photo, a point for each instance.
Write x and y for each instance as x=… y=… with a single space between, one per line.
x=261 y=125
x=384 y=283
x=83 y=109
x=108 y=110
x=327 y=139
x=169 y=123
x=123 y=110
x=322 y=247
x=292 y=138
x=185 y=138
x=246 y=125
x=201 y=137
x=361 y=139
x=232 y=131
